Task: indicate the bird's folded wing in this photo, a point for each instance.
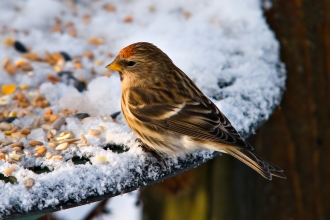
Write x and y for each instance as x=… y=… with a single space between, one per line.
x=198 y=119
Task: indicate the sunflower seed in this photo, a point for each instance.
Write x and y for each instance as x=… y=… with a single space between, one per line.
x=29 y=183
x=57 y=157
x=2 y=156
x=5 y=126
x=49 y=155
x=34 y=143
x=65 y=135
x=94 y=132
x=15 y=156
x=40 y=151
x=83 y=139
x=66 y=56
x=20 y=47
x=70 y=140
x=82 y=115
x=9 y=171
x=27 y=152
x=62 y=146
x=26 y=131
x=17 y=149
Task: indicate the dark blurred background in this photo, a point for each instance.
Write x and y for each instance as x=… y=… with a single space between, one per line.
x=296 y=137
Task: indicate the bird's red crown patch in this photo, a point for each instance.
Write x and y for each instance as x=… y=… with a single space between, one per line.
x=128 y=51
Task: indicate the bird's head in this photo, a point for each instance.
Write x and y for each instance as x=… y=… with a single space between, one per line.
x=141 y=62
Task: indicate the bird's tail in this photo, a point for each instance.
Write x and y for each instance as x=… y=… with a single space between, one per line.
x=264 y=168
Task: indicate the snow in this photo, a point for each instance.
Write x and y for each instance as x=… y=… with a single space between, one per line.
x=120 y=207
x=76 y=213
x=225 y=46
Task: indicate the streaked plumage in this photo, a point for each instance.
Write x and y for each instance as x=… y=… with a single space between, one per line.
x=170 y=115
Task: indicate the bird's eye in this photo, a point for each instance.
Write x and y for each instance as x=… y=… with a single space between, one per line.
x=130 y=63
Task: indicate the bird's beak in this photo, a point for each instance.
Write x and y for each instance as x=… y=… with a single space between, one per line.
x=114 y=66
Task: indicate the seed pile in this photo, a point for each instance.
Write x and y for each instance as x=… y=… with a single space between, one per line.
x=16 y=144
x=23 y=103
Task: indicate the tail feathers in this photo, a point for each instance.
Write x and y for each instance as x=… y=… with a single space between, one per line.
x=273 y=169
x=263 y=167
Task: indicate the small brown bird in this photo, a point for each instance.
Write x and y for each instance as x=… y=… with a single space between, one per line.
x=170 y=115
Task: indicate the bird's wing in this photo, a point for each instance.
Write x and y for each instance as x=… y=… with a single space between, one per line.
x=200 y=120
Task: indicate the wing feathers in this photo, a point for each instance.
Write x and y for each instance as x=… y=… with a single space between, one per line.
x=157 y=112
x=197 y=119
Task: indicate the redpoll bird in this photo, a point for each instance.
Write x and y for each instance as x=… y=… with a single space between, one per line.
x=170 y=115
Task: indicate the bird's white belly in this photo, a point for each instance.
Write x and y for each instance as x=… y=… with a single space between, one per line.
x=175 y=146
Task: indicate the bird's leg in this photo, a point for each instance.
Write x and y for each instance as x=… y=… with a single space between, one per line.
x=148 y=149
x=138 y=140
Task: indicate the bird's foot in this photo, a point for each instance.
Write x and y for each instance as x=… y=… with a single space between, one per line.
x=139 y=140
x=147 y=149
